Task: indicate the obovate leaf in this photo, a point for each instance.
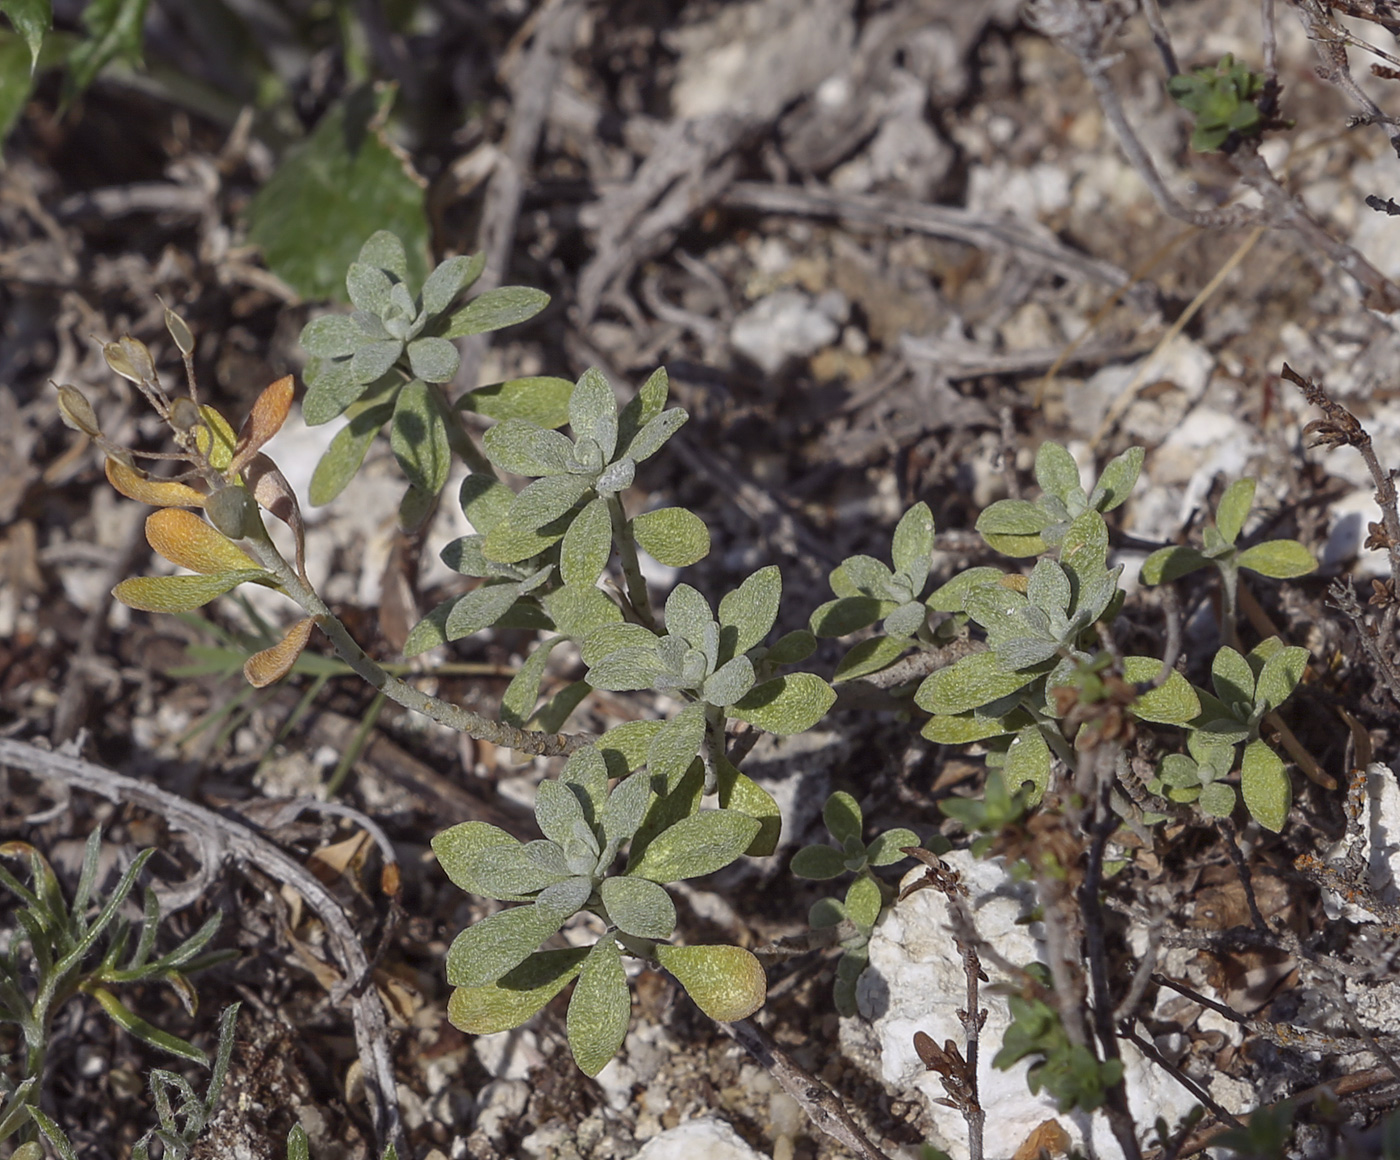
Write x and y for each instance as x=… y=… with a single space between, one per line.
x=785 y=705
x=912 y=548
x=1281 y=674
x=625 y=747
x=518 y=701
x=1234 y=509
x=746 y=614
x=672 y=536
x=949 y=597
x=347 y=450
x=185 y=539
x=729 y=682
x=696 y=845
x=870 y=656
x=819 y=863
x=889 y=847
x=1233 y=681
x=522 y=448
x=1173 y=703
x=1217 y=800
x=600 y=1009
x=843 y=817
x=639 y=907
x=727 y=983
x=587 y=544
x=863 y=901
x=578 y=610
x=539 y=399
x=970 y=683
x=1168 y=564
x=963 y=729
x=495 y=310
x=460 y=850
x=1056 y=472
x=482 y=953
x=593 y=412
x=848 y=614
x=480 y=608
x=1116 y=482
x=675 y=745
x=418 y=436
x=1264 y=783
x=1028 y=760
x=516 y=995
x=181 y=593
x=272 y=664
x=738 y=791
x=1278 y=559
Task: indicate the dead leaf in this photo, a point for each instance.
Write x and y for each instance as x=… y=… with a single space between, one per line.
x=272 y=491
x=272 y=664
x=185 y=539
x=1049 y=1139
x=156 y=492
x=263 y=422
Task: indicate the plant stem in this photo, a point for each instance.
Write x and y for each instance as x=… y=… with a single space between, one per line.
x=1229 y=604
x=401 y=693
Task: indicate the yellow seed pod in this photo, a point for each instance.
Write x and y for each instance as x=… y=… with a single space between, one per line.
x=77 y=412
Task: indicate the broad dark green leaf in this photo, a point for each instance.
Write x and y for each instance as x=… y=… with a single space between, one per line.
x=848 y=614
x=819 y=863
x=843 y=817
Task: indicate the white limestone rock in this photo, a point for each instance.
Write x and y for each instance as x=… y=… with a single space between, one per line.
x=706 y=1137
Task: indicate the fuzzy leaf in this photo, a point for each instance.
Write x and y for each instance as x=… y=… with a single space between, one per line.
x=508 y=544
x=729 y=682
x=626 y=747
x=639 y=907
x=485 y=501
x=593 y=412
x=434 y=360
x=1048 y=587
x=522 y=448
x=962 y=729
x=1013 y=517
x=906 y=620
x=818 y=862
x=870 y=656
x=1234 y=509
x=888 y=848
x=1056 y=472
x=268 y=413
x=1281 y=674
x=1028 y=760
x=540 y=399
x=785 y=705
x=848 y=614
x=675 y=745
x=949 y=597
x=970 y=683
x=156 y=492
x=1233 y=681
x=384 y=249
x=687 y=614
x=331 y=386
x=578 y=610
x=1217 y=799
x=863 y=901
x=495 y=310
x=272 y=664
x=484 y=952
x=180 y=593
x=727 y=983
x=746 y=614
x=792 y=648
x=546 y=500
x=610 y=638
x=1174 y=703
x=1168 y=564
x=913 y=546
x=185 y=539
x=1264 y=783
x=651 y=438
x=347 y=450
x=625 y=808
x=1278 y=559
x=843 y=817
x=627 y=670
x=1117 y=480
x=137 y=1027
x=480 y=608
x=518 y=701
x=600 y=1009
x=460 y=849
x=672 y=536
x=642 y=408
x=449 y=279
x=418 y=436
x=1084 y=550
x=737 y=791
x=516 y=995
x=696 y=845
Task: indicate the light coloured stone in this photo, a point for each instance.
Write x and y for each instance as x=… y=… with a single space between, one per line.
x=786 y=324
x=1380 y=840
x=706 y=1137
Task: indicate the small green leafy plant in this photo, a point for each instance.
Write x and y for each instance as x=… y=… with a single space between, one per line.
x=866 y=897
x=1224 y=100
x=66 y=949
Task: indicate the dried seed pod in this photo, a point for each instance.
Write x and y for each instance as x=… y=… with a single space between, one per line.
x=232 y=510
x=130 y=359
x=179 y=332
x=77 y=412
x=184 y=414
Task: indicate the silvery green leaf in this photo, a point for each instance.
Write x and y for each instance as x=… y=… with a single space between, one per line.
x=642 y=408
x=584 y=551
x=672 y=536
x=785 y=705
x=548 y=856
x=459 y=848
x=848 y=614
x=889 y=847
x=749 y=611
x=819 y=863
x=687 y=614
x=626 y=807
x=1264 y=784
x=1278 y=559
x=912 y=548
x=863 y=902
x=616 y=477
x=449 y=280
x=626 y=670
x=1057 y=473
x=949 y=597
x=1281 y=674
x=522 y=448
x=599 y=1009
x=401 y=304
x=517 y=996
x=1084 y=549
x=996 y=609
x=738 y=791
x=331 y=336
x=727 y=983
x=587 y=771
x=588 y=457
x=368 y=287
x=675 y=745
x=464 y=556
x=1116 y=482
x=434 y=360
x=493 y=310
x=871 y=655
x=1048 y=587
x=369 y=325
x=970 y=683
x=1179 y=772
x=1233 y=681
x=1174 y=703
x=906 y=620
x=729 y=682
x=1013 y=517
x=844 y=818
x=608 y=638
x=523 y=692
x=593 y=412
x=578 y=609
x=849 y=968
x=964 y=728
x=330 y=387
x=1217 y=800
x=384 y=250
x=510 y=872
x=792 y=648
x=545 y=500
x=480 y=608
x=1168 y=564
x=540 y=399
x=418 y=437
x=639 y=907
x=484 y=952
x=1233 y=510
x=431 y=631
x=869 y=575
x=373 y=359
x=697 y=845
x=693 y=670
x=624 y=747
x=1028 y=760
x=581 y=853
x=1023 y=652
x=508 y=544
x=709 y=645
x=347 y=450
x=565 y=899
x=651 y=438
x=671 y=650
x=557 y=808
x=1096 y=596
x=485 y=501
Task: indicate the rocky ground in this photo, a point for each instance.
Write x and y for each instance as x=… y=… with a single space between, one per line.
x=884 y=250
